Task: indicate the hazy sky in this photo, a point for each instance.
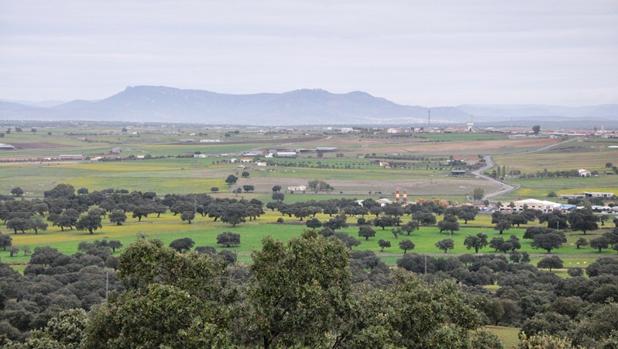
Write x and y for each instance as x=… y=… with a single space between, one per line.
x=415 y=52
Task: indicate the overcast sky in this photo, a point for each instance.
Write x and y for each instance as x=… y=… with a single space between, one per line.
x=412 y=52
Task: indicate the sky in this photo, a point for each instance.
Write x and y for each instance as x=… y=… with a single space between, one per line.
x=442 y=52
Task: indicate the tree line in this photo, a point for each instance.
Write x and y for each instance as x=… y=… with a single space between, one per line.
x=67 y=208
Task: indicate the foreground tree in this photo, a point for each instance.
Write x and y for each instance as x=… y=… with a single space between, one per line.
x=298 y=290
x=159 y=316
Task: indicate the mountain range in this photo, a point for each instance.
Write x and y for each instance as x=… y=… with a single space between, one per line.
x=298 y=107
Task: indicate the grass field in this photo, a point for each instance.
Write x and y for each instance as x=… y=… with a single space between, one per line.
x=508 y=335
x=204 y=231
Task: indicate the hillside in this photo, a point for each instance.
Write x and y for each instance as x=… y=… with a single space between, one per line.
x=298 y=107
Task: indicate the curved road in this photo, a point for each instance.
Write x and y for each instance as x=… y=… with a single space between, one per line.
x=504 y=188
x=507 y=188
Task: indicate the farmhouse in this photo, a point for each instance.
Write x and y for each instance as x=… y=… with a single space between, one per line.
x=584 y=173
x=593 y=194
x=4 y=146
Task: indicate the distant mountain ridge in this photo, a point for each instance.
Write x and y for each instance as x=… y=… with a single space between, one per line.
x=298 y=107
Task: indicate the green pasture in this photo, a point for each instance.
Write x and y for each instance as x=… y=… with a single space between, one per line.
x=204 y=231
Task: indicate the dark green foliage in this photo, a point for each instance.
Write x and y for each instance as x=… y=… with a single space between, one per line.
x=182 y=244
x=445 y=245
x=476 y=242
x=553 y=262
x=366 y=232
x=406 y=245
x=384 y=244
x=548 y=241
x=228 y=239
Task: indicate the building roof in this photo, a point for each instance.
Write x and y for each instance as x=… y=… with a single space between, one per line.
x=535 y=202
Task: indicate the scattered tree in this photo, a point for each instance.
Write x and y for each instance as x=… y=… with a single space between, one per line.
x=551 y=262
x=406 y=245
x=228 y=239
x=445 y=245
x=366 y=232
x=182 y=245
x=384 y=244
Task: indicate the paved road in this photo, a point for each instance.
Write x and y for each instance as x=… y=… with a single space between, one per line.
x=504 y=188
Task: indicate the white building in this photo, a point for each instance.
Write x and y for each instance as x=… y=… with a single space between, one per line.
x=296 y=188
x=286 y=154
x=261 y=164
x=4 y=146
x=531 y=204
x=584 y=173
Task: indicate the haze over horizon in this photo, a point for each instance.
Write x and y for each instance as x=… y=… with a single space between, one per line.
x=479 y=52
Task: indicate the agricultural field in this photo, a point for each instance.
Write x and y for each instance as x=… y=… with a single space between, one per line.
x=573 y=154
x=420 y=169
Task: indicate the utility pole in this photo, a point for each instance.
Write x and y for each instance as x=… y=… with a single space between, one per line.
x=425 y=265
x=428 y=118
x=106 y=285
